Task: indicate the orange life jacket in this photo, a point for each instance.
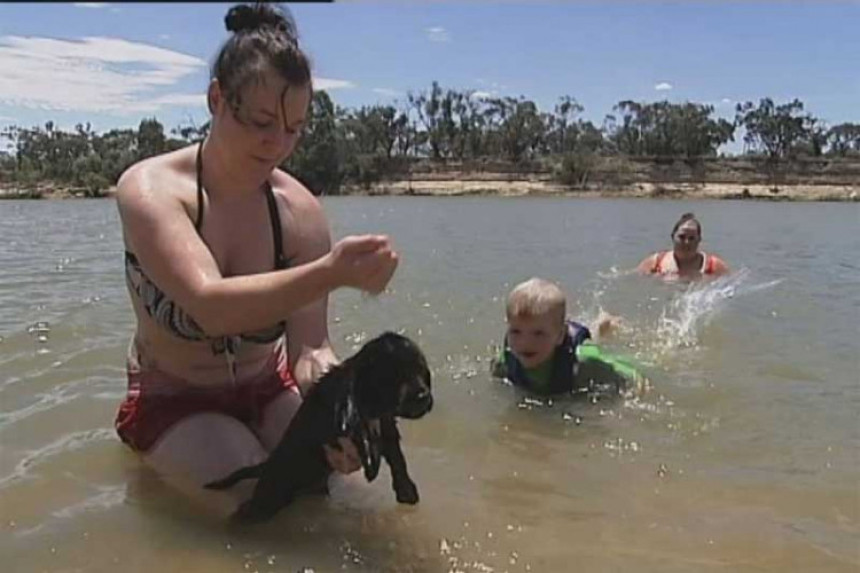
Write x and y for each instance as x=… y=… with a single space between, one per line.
x=709 y=263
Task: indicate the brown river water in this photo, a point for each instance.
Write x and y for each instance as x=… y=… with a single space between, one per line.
x=744 y=455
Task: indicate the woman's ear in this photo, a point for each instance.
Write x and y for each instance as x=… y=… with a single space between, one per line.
x=214 y=96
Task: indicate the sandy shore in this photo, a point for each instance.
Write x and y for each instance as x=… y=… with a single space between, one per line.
x=644 y=190
x=542 y=187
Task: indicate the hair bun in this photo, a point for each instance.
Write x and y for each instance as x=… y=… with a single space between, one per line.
x=247 y=17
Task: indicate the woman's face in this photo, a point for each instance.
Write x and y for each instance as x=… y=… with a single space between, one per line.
x=686 y=239
x=264 y=128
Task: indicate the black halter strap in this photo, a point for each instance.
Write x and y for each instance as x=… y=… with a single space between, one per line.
x=200 y=206
x=275 y=218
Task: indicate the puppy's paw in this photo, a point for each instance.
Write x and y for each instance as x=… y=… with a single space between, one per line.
x=406 y=492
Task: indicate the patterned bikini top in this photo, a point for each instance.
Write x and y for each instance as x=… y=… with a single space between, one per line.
x=169 y=315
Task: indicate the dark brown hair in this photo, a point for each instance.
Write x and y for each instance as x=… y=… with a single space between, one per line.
x=264 y=37
x=684 y=218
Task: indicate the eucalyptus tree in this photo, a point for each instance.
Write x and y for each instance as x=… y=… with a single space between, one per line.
x=844 y=139
x=319 y=160
x=775 y=129
x=664 y=129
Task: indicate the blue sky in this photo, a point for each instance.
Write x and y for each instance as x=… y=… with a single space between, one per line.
x=112 y=64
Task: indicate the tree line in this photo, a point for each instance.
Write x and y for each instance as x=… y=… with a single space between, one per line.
x=359 y=146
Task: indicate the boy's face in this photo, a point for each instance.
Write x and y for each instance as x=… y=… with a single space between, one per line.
x=533 y=339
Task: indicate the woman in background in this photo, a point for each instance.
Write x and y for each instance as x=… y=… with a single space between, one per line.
x=685 y=260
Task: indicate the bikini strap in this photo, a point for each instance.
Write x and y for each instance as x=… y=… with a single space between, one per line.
x=708 y=264
x=198 y=224
x=275 y=218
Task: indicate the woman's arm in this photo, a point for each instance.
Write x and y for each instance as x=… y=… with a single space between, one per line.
x=719 y=266
x=648 y=263
x=307 y=237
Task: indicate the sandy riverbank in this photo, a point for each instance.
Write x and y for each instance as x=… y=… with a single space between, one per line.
x=539 y=187
x=643 y=190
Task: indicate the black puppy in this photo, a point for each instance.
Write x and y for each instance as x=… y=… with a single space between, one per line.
x=359 y=399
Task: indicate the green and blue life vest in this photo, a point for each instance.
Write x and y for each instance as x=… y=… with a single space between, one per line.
x=578 y=364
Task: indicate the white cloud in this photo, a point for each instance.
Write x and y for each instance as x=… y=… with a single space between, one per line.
x=90 y=4
x=6 y=118
x=663 y=86
x=481 y=95
x=388 y=92
x=437 y=34
x=330 y=84
x=180 y=99
x=493 y=87
x=94 y=74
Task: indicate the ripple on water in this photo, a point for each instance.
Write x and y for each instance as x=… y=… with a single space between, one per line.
x=68 y=443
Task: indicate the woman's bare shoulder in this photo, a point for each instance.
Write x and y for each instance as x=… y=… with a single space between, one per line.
x=156 y=178
x=307 y=233
x=292 y=191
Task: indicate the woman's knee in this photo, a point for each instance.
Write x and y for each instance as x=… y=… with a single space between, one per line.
x=277 y=417
x=205 y=447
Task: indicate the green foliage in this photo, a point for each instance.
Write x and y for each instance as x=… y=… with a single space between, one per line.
x=318 y=161
x=150 y=138
x=844 y=139
x=774 y=129
x=366 y=145
x=575 y=169
x=663 y=129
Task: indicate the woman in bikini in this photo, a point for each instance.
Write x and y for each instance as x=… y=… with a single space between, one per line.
x=685 y=260
x=229 y=265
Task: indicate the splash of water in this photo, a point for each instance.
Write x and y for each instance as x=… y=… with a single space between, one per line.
x=681 y=321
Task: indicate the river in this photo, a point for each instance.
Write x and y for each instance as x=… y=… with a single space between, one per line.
x=743 y=456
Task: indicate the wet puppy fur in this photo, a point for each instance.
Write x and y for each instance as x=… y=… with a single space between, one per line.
x=360 y=399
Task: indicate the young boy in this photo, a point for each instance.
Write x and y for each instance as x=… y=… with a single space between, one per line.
x=547 y=354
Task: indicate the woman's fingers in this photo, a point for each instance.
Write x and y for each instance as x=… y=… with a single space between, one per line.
x=367 y=262
x=362 y=244
x=384 y=272
x=343 y=459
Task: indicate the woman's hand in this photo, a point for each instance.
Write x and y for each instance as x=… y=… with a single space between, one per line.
x=365 y=262
x=344 y=457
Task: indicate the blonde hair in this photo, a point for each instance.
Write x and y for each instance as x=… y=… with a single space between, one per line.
x=536 y=297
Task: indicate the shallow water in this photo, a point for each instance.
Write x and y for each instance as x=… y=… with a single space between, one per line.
x=743 y=456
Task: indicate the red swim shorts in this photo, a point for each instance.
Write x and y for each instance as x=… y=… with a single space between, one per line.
x=157 y=400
